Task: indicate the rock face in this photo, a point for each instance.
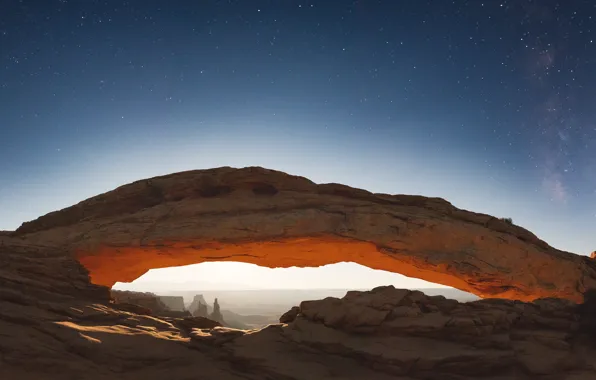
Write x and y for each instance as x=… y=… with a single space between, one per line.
x=197 y=300
x=216 y=313
x=198 y=306
x=149 y=304
x=405 y=333
x=290 y=315
x=55 y=324
x=174 y=303
x=273 y=219
x=147 y=300
x=201 y=310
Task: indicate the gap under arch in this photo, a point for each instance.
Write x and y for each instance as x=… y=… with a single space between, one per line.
x=109 y=265
x=251 y=296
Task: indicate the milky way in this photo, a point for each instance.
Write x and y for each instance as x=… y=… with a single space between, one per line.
x=561 y=47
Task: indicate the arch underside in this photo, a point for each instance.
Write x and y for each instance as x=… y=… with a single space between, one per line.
x=109 y=265
x=424 y=253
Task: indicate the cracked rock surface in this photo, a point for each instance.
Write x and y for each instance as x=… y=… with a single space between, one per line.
x=55 y=324
x=273 y=219
x=58 y=320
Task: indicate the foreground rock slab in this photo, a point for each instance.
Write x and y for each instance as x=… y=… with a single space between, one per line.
x=273 y=219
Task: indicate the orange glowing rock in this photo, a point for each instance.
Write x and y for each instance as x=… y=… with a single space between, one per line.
x=273 y=219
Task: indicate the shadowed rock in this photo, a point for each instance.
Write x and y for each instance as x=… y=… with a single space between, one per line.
x=273 y=219
x=55 y=324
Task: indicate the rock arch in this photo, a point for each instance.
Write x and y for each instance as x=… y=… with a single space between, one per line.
x=273 y=219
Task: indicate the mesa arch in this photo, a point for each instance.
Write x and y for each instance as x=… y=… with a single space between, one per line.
x=273 y=219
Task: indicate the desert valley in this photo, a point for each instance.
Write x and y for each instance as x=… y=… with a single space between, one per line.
x=243 y=309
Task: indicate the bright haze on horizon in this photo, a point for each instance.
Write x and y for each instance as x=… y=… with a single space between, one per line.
x=486 y=104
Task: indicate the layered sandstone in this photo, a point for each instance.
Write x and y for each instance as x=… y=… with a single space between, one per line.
x=55 y=324
x=273 y=219
x=150 y=304
x=174 y=303
x=198 y=306
x=406 y=335
x=144 y=299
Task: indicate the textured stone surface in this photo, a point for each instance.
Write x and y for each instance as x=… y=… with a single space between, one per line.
x=56 y=325
x=144 y=299
x=174 y=303
x=273 y=219
x=149 y=304
x=405 y=333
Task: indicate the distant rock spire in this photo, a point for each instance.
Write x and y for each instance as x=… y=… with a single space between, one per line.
x=216 y=314
x=198 y=306
x=201 y=310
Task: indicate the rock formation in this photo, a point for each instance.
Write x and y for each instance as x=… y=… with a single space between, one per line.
x=198 y=306
x=144 y=299
x=273 y=219
x=174 y=303
x=149 y=304
x=201 y=310
x=405 y=333
x=55 y=323
x=289 y=315
x=216 y=313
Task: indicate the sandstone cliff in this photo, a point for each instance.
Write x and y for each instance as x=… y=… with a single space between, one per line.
x=174 y=303
x=198 y=306
x=150 y=304
x=216 y=313
x=273 y=219
x=148 y=300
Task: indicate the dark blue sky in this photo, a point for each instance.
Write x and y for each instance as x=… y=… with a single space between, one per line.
x=489 y=104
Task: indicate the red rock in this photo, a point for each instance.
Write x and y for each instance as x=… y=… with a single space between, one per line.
x=55 y=324
x=273 y=219
x=290 y=315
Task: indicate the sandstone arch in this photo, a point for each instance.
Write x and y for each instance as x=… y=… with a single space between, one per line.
x=274 y=219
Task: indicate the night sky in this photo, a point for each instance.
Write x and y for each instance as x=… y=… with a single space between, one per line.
x=488 y=104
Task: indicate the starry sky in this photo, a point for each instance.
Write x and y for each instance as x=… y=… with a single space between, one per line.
x=488 y=104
